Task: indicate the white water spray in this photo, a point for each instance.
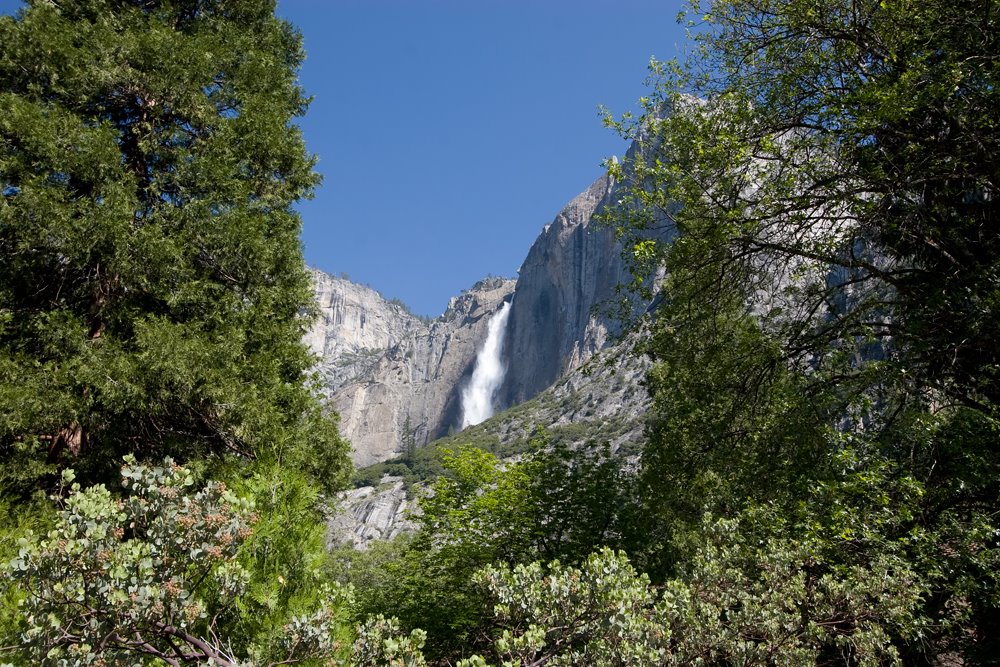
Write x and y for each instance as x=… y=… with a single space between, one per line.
x=478 y=395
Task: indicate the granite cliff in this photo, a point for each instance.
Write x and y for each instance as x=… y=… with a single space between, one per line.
x=565 y=285
x=395 y=378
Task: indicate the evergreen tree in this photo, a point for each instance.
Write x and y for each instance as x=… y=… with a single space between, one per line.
x=152 y=286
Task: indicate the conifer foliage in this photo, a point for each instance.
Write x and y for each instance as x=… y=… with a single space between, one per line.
x=151 y=278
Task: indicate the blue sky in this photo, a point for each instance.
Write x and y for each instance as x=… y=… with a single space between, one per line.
x=449 y=132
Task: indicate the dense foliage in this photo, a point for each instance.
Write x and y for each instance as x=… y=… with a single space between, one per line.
x=153 y=299
x=123 y=576
x=827 y=329
x=553 y=504
x=151 y=576
x=152 y=282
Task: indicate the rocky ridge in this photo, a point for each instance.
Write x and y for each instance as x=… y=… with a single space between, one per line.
x=600 y=401
x=568 y=279
x=395 y=378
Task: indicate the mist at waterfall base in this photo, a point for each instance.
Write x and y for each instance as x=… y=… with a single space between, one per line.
x=479 y=394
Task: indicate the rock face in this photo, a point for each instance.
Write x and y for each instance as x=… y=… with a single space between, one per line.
x=371 y=513
x=566 y=283
x=394 y=378
x=598 y=402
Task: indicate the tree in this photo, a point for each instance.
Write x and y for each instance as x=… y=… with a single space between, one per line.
x=601 y=613
x=782 y=598
x=830 y=169
x=479 y=512
x=848 y=134
x=558 y=502
x=152 y=286
x=584 y=498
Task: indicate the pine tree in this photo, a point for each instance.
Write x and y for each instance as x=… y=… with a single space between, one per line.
x=152 y=286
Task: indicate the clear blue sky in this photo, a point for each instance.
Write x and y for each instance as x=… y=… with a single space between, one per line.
x=450 y=131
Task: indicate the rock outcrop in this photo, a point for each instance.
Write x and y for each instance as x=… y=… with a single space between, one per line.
x=599 y=402
x=396 y=379
x=371 y=513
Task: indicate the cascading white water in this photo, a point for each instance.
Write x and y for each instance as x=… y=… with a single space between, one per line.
x=479 y=394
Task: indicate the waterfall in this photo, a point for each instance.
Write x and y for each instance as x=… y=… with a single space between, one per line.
x=478 y=395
